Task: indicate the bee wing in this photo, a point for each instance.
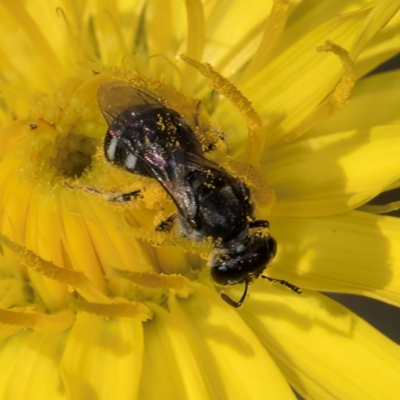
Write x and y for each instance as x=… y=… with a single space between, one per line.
x=198 y=163
x=114 y=97
x=171 y=171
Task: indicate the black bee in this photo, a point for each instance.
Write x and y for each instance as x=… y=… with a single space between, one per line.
x=146 y=137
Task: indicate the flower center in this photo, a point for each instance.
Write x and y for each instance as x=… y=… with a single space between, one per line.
x=113 y=256
x=73 y=154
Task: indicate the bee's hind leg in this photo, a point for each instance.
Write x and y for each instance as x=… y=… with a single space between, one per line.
x=112 y=197
x=166 y=224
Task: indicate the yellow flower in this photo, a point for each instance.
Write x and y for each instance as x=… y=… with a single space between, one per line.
x=95 y=303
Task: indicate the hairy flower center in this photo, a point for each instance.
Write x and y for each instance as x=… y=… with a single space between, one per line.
x=73 y=154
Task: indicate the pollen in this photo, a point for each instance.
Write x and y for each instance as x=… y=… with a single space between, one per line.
x=160 y=122
x=227 y=89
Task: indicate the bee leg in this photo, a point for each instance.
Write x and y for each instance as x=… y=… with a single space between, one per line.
x=284 y=283
x=213 y=145
x=122 y=197
x=112 y=197
x=166 y=225
x=259 y=224
x=197 y=113
x=236 y=304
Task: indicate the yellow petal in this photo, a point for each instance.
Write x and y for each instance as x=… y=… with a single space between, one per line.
x=325 y=351
x=29 y=46
x=109 y=232
x=14 y=221
x=295 y=82
x=334 y=173
x=161 y=22
x=102 y=358
x=50 y=323
x=351 y=253
x=222 y=32
x=374 y=102
x=309 y=14
x=29 y=366
x=385 y=45
x=202 y=350
x=168 y=358
x=383 y=11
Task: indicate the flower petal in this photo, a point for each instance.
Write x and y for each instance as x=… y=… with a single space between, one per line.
x=374 y=101
x=295 y=82
x=109 y=233
x=354 y=253
x=208 y=353
x=222 y=17
x=311 y=13
x=102 y=358
x=324 y=350
x=281 y=103
x=382 y=47
x=29 y=46
x=334 y=173
x=29 y=366
x=169 y=357
x=383 y=11
x=308 y=15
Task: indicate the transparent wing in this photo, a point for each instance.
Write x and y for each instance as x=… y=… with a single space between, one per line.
x=114 y=97
x=170 y=165
x=171 y=171
x=196 y=162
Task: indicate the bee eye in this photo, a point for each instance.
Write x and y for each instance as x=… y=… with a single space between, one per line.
x=273 y=246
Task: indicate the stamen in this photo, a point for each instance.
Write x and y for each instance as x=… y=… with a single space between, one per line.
x=175 y=283
x=337 y=99
x=236 y=97
x=343 y=89
x=230 y=91
x=57 y=322
x=46 y=268
x=120 y=309
x=274 y=26
x=100 y=304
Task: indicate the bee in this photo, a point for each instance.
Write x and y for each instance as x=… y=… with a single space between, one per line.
x=148 y=138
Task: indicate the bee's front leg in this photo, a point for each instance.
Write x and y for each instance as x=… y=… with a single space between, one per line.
x=112 y=197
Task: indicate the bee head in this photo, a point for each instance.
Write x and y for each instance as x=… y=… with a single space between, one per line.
x=247 y=263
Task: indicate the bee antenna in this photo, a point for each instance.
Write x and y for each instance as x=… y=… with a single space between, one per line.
x=240 y=302
x=284 y=283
